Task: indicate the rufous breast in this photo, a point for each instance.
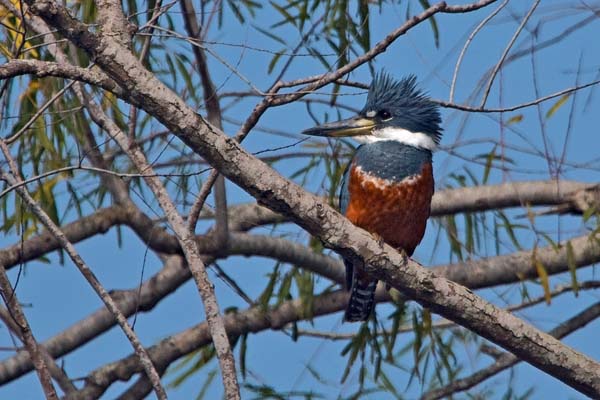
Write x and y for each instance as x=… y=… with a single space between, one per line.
x=395 y=210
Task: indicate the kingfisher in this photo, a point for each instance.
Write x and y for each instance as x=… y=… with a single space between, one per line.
x=388 y=184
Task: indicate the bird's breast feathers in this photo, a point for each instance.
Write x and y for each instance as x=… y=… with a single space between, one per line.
x=395 y=209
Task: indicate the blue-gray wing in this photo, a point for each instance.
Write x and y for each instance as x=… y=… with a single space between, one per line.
x=344 y=197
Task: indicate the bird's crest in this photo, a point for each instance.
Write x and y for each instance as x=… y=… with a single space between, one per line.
x=412 y=106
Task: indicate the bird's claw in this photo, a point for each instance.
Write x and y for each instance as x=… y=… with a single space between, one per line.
x=379 y=239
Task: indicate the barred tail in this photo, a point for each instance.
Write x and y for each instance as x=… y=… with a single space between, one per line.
x=362 y=295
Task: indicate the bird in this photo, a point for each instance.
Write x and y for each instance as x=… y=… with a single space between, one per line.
x=388 y=184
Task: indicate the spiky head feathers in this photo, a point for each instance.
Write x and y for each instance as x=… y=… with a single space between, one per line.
x=400 y=104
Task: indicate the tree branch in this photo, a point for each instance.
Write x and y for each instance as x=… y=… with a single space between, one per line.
x=42 y=69
x=24 y=332
x=213 y=111
x=251 y=320
x=55 y=371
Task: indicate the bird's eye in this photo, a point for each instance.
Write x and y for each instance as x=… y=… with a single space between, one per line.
x=384 y=115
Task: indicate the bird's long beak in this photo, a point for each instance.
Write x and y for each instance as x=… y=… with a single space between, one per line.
x=356 y=126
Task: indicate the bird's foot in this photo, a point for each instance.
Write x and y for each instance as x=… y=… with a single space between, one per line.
x=379 y=239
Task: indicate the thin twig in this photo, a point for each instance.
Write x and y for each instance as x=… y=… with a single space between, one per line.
x=11 y=139
x=24 y=331
x=486 y=92
x=466 y=45
x=56 y=372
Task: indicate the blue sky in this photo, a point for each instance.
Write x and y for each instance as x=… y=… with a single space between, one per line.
x=57 y=296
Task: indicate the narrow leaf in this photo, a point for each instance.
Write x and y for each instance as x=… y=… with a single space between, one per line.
x=557 y=105
x=543 y=275
x=572 y=268
x=514 y=119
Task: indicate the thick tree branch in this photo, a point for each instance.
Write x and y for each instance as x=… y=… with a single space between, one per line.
x=474 y=274
x=43 y=69
x=252 y=320
x=503 y=268
x=571 y=196
x=442 y=296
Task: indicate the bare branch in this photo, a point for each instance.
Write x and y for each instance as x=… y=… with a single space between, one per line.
x=55 y=371
x=256 y=319
x=43 y=69
x=319 y=81
x=488 y=87
x=213 y=110
x=24 y=332
x=309 y=212
x=466 y=46
x=188 y=244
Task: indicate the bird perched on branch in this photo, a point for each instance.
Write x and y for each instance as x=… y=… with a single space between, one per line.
x=388 y=184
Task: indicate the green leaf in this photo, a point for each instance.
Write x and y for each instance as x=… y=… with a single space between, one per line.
x=434 y=27
x=204 y=388
x=269 y=34
x=236 y=11
x=388 y=385
x=508 y=226
x=355 y=347
x=587 y=214
x=265 y=296
x=418 y=342
x=273 y=62
x=287 y=17
x=452 y=234
x=284 y=289
x=488 y=164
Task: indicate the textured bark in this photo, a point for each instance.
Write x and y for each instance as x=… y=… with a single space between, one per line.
x=571 y=196
x=115 y=26
x=176 y=346
x=43 y=69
